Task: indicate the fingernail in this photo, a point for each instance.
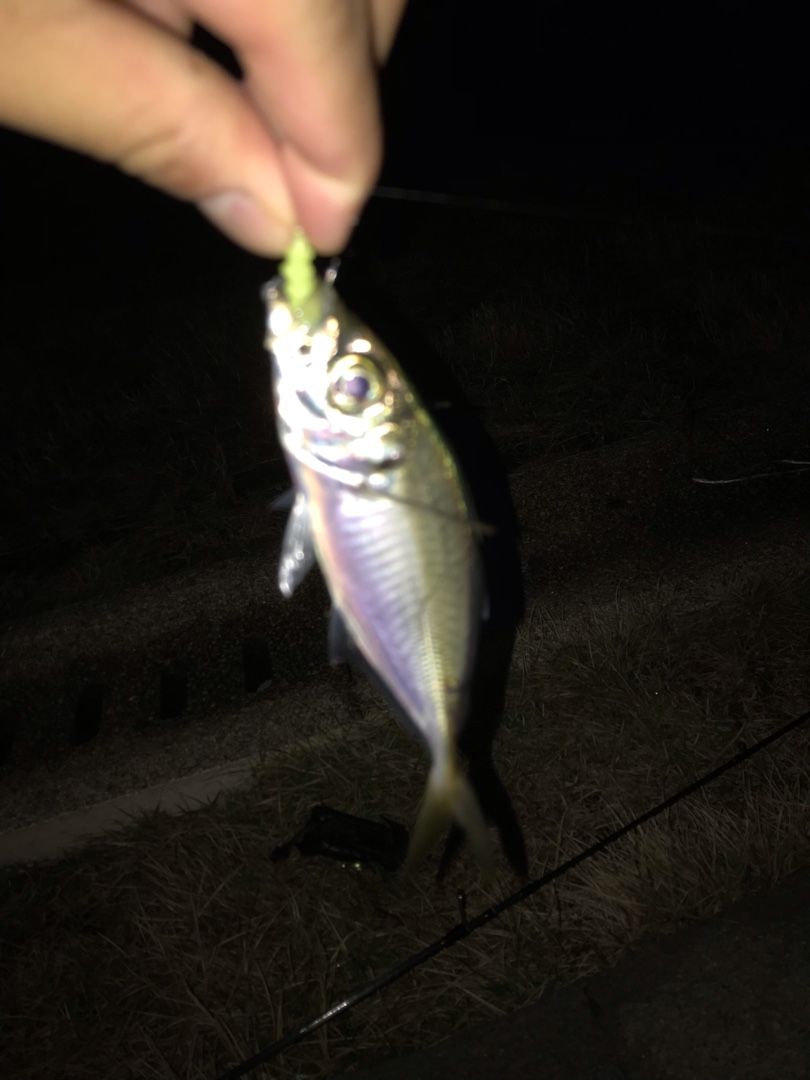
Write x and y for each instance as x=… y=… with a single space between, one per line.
x=243 y=219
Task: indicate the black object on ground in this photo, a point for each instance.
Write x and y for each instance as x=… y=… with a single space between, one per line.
x=464 y=929
x=348 y=838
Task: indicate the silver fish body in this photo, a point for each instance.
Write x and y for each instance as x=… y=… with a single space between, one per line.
x=380 y=504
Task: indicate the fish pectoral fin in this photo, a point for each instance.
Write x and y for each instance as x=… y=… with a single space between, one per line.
x=297 y=550
x=448 y=798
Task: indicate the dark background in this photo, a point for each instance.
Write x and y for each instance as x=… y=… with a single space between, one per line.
x=568 y=100
x=135 y=412
x=684 y=109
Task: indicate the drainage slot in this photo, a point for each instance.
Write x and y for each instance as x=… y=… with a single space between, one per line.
x=88 y=715
x=173 y=693
x=8 y=733
x=256 y=663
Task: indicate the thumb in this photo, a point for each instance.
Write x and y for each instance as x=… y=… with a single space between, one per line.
x=99 y=78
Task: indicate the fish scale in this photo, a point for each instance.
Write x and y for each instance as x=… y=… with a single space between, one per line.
x=400 y=598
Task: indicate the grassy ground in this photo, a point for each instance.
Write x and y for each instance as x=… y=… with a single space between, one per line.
x=169 y=950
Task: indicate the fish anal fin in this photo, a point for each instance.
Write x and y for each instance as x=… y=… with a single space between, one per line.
x=339 y=641
x=343 y=649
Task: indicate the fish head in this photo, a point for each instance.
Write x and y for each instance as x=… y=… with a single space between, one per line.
x=341 y=398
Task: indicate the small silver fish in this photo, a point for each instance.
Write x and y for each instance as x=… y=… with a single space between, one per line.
x=380 y=504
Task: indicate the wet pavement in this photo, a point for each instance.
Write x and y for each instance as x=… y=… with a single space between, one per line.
x=727 y=997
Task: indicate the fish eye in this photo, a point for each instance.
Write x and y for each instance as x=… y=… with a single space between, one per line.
x=355 y=383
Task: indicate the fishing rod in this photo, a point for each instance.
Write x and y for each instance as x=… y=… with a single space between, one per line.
x=464 y=929
x=786 y=467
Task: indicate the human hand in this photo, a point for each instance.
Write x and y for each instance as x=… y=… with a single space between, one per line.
x=298 y=141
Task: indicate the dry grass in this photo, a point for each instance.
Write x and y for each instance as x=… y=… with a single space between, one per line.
x=168 y=951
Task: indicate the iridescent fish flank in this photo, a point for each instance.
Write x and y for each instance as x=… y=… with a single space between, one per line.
x=380 y=504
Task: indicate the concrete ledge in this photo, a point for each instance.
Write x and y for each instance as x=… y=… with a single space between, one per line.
x=55 y=837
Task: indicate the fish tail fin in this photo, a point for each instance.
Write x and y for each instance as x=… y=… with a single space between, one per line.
x=448 y=798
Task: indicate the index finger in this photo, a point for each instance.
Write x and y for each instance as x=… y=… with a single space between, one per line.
x=311 y=71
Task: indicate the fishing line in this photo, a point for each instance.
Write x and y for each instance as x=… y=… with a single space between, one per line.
x=463 y=930
x=792 y=468
x=524 y=208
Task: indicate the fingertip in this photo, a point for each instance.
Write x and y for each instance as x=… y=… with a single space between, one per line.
x=243 y=218
x=327 y=207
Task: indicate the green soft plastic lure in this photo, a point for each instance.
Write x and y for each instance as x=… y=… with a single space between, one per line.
x=298 y=272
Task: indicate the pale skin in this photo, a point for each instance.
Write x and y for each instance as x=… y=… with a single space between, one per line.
x=296 y=142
